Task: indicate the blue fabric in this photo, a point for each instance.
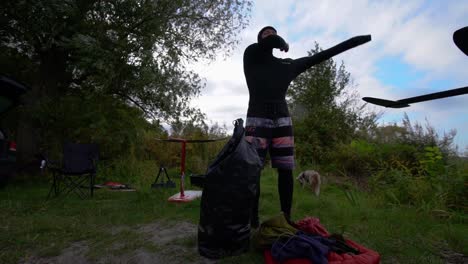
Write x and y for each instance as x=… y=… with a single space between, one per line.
x=312 y=247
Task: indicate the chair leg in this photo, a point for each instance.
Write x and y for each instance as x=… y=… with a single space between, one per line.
x=91 y=180
x=73 y=184
x=54 y=187
x=59 y=179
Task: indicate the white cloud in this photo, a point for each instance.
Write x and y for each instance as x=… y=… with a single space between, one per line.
x=418 y=32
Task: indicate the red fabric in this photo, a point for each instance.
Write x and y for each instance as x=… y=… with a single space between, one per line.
x=12 y=146
x=367 y=256
x=113 y=184
x=311 y=225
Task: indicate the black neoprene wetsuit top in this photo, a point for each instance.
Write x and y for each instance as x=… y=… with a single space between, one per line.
x=268 y=77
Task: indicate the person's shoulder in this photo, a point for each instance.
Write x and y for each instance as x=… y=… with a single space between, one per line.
x=251 y=48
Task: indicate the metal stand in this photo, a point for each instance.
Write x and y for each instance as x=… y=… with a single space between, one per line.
x=181 y=197
x=184 y=195
x=168 y=184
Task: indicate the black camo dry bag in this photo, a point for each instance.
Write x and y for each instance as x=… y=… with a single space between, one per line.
x=228 y=195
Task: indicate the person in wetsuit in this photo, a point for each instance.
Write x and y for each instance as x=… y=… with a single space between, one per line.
x=268 y=125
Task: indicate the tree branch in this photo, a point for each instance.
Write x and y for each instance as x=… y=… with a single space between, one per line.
x=136 y=103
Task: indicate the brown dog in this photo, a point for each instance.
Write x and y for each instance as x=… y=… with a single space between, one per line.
x=311 y=179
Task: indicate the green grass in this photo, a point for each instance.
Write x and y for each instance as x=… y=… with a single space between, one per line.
x=33 y=226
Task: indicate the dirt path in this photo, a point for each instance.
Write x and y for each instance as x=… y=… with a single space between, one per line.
x=156 y=242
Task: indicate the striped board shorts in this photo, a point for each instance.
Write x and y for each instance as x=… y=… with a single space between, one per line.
x=274 y=136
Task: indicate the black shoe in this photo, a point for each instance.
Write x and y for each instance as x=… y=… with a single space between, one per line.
x=290 y=222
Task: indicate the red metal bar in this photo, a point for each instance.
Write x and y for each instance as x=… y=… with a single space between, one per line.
x=182 y=168
x=190 y=195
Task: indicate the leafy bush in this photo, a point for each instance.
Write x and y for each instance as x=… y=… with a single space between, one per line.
x=406 y=174
x=429 y=185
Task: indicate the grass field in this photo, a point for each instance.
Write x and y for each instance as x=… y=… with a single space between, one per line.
x=121 y=223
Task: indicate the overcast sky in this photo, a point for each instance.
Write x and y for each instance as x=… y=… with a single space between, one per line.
x=411 y=53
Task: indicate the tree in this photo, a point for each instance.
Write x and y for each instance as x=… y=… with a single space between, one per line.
x=134 y=51
x=325 y=110
x=427 y=136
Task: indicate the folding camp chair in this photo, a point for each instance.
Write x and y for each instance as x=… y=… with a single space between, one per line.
x=77 y=171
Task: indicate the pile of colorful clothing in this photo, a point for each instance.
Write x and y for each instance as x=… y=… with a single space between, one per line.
x=308 y=242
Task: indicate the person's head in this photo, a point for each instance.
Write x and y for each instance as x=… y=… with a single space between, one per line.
x=265 y=32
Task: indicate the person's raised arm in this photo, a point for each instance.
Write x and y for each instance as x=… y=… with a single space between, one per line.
x=302 y=64
x=274 y=42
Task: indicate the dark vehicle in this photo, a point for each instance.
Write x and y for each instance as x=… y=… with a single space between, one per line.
x=10 y=92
